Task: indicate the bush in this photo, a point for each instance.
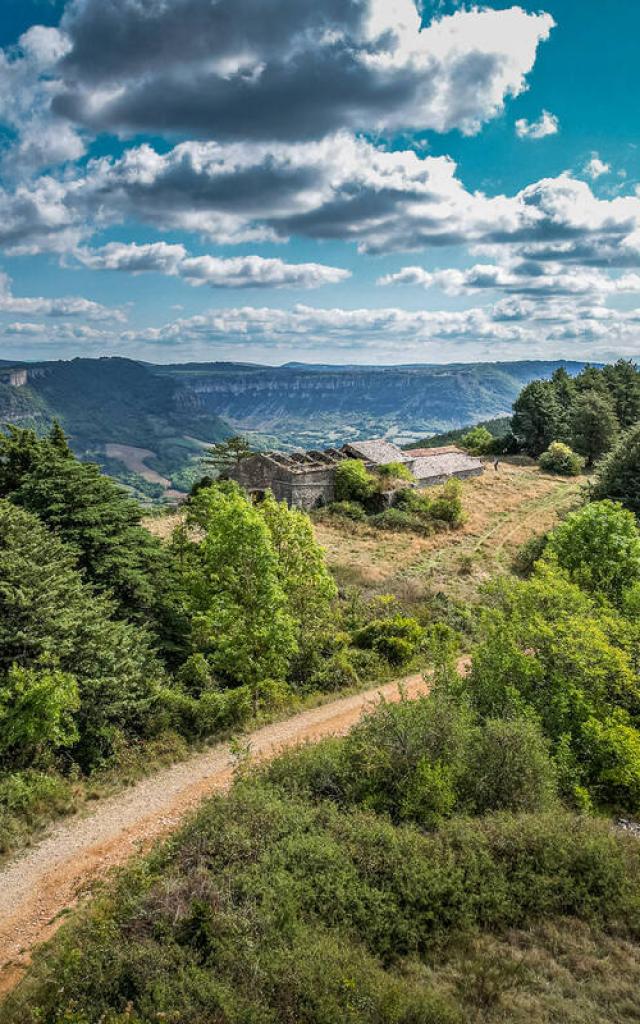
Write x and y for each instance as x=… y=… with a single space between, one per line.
x=559 y=458
x=347 y=510
x=477 y=441
x=395 y=471
x=447 y=507
x=336 y=673
x=354 y=482
x=266 y=909
x=509 y=768
x=398 y=520
x=529 y=553
x=599 y=549
x=396 y=639
x=29 y=799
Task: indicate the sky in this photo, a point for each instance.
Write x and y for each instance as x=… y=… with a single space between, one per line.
x=336 y=181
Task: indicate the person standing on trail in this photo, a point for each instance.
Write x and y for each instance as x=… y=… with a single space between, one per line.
x=496 y=463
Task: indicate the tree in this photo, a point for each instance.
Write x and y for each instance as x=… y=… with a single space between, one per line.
x=559 y=458
x=90 y=512
x=52 y=621
x=478 y=441
x=623 y=383
x=59 y=439
x=599 y=549
x=618 y=475
x=537 y=417
x=550 y=650
x=37 y=708
x=234 y=591
x=226 y=455
x=594 y=426
x=306 y=581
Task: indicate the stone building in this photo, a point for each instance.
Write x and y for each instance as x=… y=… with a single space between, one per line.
x=307 y=479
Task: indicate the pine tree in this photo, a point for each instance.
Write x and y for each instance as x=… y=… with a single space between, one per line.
x=594 y=426
x=52 y=620
x=537 y=417
x=226 y=455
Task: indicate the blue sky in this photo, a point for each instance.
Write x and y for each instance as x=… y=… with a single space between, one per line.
x=336 y=181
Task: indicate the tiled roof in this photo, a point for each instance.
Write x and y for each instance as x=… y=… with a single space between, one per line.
x=378 y=451
x=446 y=449
x=443 y=465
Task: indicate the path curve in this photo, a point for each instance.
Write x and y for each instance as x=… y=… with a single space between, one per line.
x=47 y=879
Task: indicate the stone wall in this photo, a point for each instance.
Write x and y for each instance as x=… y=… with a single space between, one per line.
x=301 y=489
x=463 y=474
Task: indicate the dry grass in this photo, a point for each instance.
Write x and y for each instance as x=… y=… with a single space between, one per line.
x=503 y=510
x=559 y=972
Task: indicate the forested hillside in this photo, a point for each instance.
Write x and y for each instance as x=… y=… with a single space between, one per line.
x=455 y=858
x=147 y=425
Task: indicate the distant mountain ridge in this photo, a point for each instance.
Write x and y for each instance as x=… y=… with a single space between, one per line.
x=172 y=411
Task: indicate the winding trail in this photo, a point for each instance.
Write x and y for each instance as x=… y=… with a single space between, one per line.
x=45 y=881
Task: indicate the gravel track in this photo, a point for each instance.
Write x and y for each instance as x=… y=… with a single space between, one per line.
x=50 y=877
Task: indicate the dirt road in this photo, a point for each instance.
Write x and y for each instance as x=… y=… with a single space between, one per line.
x=46 y=880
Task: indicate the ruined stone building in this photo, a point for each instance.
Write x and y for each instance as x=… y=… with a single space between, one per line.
x=307 y=479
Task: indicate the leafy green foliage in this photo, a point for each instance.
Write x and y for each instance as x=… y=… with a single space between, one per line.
x=585 y=412
x=559 y=458
x=354 y=482
x=268 y=908
x=599 y=549
x=538 y=417
x=395 y=471
x=477 y=441
x=550 y=650
x=347 y=510
x=397 y=639
x=618 y=474
x=37 y=710
x=594 y=425
x=233 y=588
x=309 y=588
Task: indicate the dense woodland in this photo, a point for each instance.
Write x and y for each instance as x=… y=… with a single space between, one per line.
x=374 y=878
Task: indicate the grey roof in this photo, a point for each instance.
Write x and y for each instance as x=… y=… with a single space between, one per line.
x=293 y=462
x=378 y=451
x=446 y=464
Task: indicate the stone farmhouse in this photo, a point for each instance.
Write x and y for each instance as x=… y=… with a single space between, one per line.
x=307 y=479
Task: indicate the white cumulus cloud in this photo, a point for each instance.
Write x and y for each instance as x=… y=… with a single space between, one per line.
x=547 y=124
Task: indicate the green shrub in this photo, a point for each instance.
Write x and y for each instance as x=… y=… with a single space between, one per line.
x=559 y=458
x=353 y=481
x=529 y=553
x=395 y=471
x=509 y=768
x=335 y=673
x=397 y=639
x=477 y=441
x=447 y=507
x=599 y=548
x=268 y=909
x=347 y=510
x=29 y=799
x=399 y=521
